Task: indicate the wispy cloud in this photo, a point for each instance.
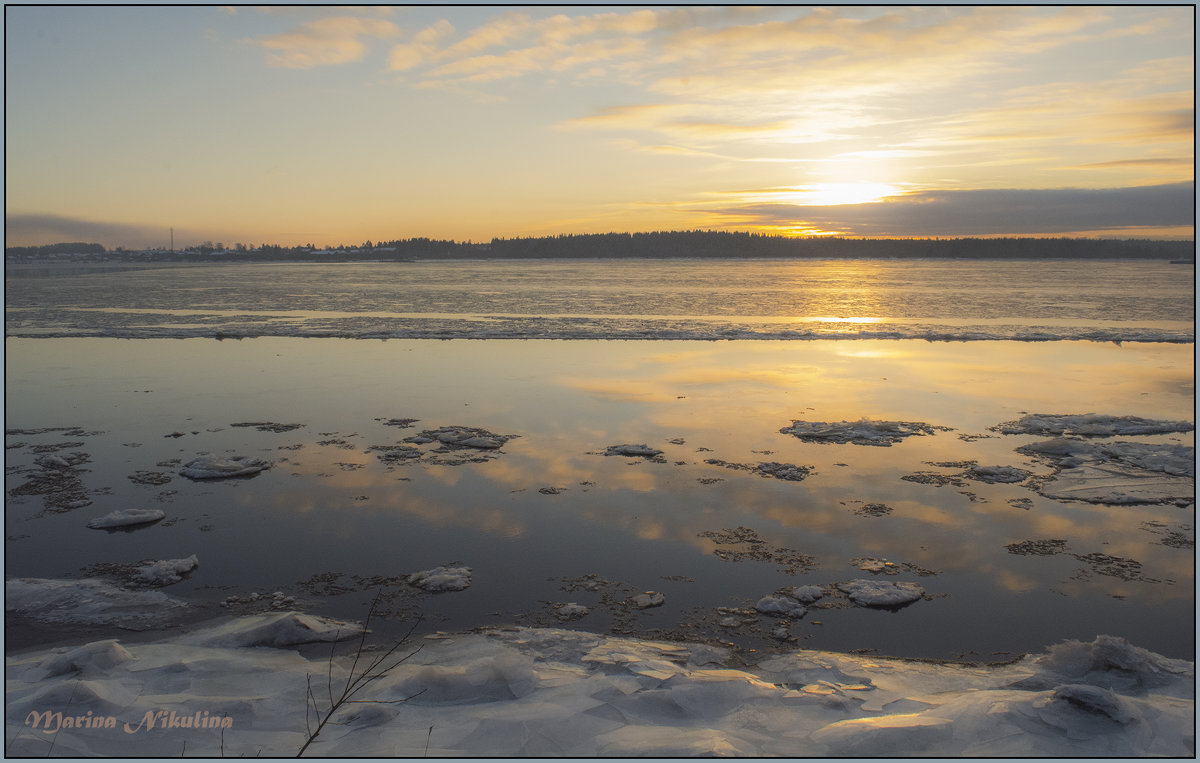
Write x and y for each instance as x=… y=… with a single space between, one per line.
x=325 y=42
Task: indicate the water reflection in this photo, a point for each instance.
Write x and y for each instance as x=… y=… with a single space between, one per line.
x=332 y=504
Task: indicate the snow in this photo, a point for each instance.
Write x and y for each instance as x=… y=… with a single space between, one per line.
x=126 y=518
x=1089 y=424
x=529 y=692
x=442 y=579
x=861 y=432
x=275 y=629
x=880 y=593
x=212 y=468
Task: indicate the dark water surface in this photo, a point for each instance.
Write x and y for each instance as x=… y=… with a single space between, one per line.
x=536 y=518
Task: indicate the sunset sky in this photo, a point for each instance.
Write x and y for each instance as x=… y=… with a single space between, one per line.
x=337 y=125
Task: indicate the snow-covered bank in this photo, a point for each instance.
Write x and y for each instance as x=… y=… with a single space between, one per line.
x=531 y=692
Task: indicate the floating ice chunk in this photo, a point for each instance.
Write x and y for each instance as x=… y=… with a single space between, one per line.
x=442 y=579
x=52 y=461
x=164 y=572
x=881 y=593
x=212 y=467
x=126 y=518
x=632 y=450
x=862 y=432
x=464 y=437
x=1090 y=424
x=781 y=606
x=279 y=629
x=649 y=599
x=89 y=601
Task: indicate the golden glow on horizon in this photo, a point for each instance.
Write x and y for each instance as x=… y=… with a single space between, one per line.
x=469 y=123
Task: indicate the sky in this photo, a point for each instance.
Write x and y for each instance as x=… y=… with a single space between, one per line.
x=337 y=125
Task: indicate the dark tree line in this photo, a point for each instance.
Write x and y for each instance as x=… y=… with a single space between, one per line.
x=664 y=244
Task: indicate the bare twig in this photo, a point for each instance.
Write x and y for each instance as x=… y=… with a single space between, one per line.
x=355 y=681
x=427 y=738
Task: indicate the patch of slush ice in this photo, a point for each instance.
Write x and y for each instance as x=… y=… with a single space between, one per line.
x=632 y=450
x=163 y=572
x=442 y=579
x=881 y=593
x=1089 y=424
x=649 y=599
x=126 y=518
x=861 y=432
x=993 y=474
x=212 y=467
x=780 y=471
x=528 y=692
x=89 y=601
x=571 y=610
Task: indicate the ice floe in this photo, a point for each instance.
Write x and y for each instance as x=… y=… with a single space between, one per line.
x=442 y=579
x=1116 y=472
x=529 y=692
x=861 y=432
x=1089 y=424
x=466 y=437
x=126 y=518
x=213 y=467
x=881 y=593
x=780 y=605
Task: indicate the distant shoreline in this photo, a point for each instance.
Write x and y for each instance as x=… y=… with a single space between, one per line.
x=666 y=245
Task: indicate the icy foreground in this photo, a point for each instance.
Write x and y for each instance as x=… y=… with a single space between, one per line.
x=536 y=692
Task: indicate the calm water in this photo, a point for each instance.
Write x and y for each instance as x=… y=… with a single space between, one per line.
x=332 y=520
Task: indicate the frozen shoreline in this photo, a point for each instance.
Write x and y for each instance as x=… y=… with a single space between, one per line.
x=547 y=691
x=484 y=327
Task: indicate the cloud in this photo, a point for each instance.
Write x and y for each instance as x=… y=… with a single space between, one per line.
x=40 y=229
x=324 y=42
x=984 y=212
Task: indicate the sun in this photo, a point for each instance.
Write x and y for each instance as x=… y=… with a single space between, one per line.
x=837 y=194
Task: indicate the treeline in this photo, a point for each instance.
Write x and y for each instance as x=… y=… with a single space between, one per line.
x=756 y=245
x=671 y=244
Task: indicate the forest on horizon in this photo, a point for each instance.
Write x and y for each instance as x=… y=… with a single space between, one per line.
x=675 y=244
